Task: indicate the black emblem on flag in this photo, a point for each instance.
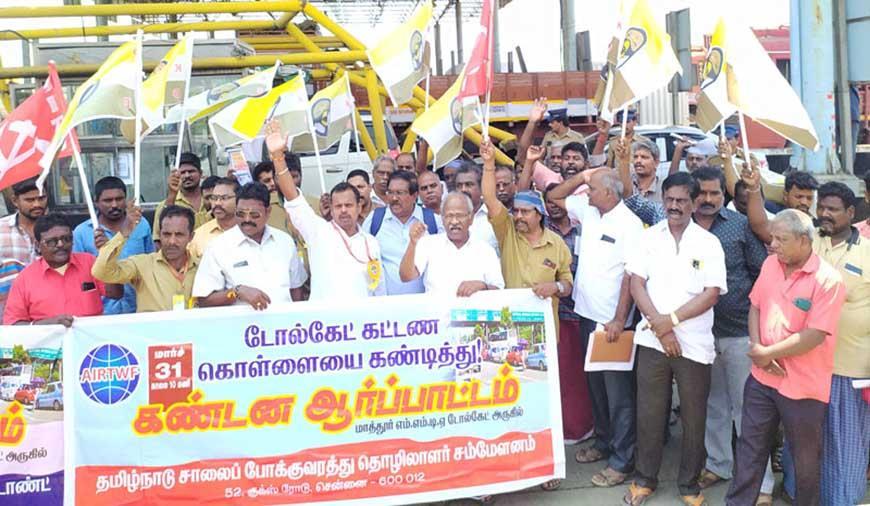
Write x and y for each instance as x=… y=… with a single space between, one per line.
x=635 y=39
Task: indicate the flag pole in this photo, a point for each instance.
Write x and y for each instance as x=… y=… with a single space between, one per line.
x=137 y=144
x=316 y=153
x=183 y=103
x=353 y=120
x=624 y=121
x=86 y=189
x=745 y=139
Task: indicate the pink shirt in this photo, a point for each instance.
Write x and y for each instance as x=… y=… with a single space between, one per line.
x=543 y=177
x=810 y=298
x=41 y=292
x=864 y=228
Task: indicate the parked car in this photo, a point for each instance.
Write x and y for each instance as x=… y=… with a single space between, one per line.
x=498 y=353
x=51 y=397
x=515 y=357
x=9 y=386
x=537 y=358
x=26 y=394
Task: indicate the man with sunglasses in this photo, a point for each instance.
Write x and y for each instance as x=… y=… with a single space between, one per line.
x=223 y=208
x=59 y=286
x=251 y=263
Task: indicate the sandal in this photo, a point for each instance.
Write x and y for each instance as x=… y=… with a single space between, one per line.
x=637 y=495
x=484 y=499
x=608 y=477
x=708 y=479
x=694 y=500
x=589 y=455
x=551 y=485
x=764 y=500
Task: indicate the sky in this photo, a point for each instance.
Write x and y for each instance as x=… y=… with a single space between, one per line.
x=531 y=24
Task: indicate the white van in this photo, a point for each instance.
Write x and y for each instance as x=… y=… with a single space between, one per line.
x=9 y=385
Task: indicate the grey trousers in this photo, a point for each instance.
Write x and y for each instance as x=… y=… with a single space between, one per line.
x=725 y=406
x=655 y=372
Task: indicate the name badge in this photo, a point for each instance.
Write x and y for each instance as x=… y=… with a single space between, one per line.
x=803 y=304
x=243 y=263
x=607 y=238
x=179 y=302
x=549 y=264
x=854 y=269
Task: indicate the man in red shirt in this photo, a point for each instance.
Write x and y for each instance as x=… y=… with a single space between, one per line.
x=58 y=286
x=796 y=305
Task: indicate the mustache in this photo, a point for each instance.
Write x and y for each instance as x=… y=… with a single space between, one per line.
x=248 y=224
x=675 y=211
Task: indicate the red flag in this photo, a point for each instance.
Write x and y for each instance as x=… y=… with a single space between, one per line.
x=28 y=130
x=478 y=70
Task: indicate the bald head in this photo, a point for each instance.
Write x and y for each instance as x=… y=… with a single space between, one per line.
x=605 y=190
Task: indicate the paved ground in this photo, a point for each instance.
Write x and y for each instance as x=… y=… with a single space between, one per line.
x=577 y=490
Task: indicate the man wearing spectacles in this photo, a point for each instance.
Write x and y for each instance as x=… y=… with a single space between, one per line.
x=223 y=208
x=59 y=286
x=251 y=263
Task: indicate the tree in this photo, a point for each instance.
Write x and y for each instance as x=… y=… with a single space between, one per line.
x=506 y=319
x=20 y=355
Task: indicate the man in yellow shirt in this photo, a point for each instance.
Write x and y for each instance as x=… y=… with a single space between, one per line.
x=163 y=280
x=223 y=207
x=184 y=191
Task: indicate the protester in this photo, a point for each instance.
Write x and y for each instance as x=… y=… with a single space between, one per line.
x=505 y=185
x=382 y=167
x=345 y=261
x=17 y=242
x=406 y=162
x=207 y=188
x=576 y=406
x=800 y=188
x=162 y=280
x=59 y=286
x=846 y=442
x=645 y=163
x=574 y=157
x=744 y=255
x=392 y=225
x=448 y=173
x=431 y=191
x=698 y=154
x=631 y=137
x=531 y=255
x=602 y=298
x=223 y=208
x=451 y=263
x=184 y=190
x=252 y=262
x=678 y=273
x=560 y=129
x=740 y=202
x=359 y=179
x=467 y=181
x=796 y=303
x=110 y=200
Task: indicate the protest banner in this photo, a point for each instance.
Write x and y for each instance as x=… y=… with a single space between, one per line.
x=31 y=416
x=390 y=400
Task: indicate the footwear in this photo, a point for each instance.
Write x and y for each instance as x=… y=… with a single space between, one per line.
x=589 y=455
x=708 y=479
x=571 y=442
x=551 y=485
x=764 y=500
x=484 y=499
x=637 y=495
x=693 y=500
x=608 y=477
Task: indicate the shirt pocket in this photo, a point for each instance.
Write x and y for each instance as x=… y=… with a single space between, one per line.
x=796 y=317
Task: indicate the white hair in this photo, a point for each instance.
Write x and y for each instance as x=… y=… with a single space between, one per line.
x=384 y=158
x=612 y=182
x=796 y=222
x=457 y=195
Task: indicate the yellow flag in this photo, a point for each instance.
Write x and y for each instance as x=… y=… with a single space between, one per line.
x=714 y=105
x=401 y=58
x=444 y=123
x=646 y=61
x=166 y=84
x=211 y=101
x=331 y=114
x=244 y=120
x=607 y=69
x=109 y=93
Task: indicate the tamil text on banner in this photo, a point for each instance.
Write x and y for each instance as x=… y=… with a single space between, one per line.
x=331 y=111
x=444 y=122
x=646 y=60
x=31 y=416
x=109 y=93
x=26 y=133
x=401 y=59
x=211 y=101
x=244 y=120
x=388 y=401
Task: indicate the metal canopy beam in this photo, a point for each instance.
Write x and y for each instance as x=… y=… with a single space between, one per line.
x=85 y=31
x=150 y=9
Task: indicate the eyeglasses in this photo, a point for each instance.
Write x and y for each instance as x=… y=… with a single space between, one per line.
x=219 y=198
x=254 y=215
x=398 y=193
x=54 y=242
x=455 y=216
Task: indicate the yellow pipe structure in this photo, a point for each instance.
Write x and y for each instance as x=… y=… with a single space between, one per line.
x=288 y=46
x=200 y=63
x=364 y=136
x=286 y=39
x=500 y=158
x=410 y=137
x=377 y=111
x=360 y=81
x=496 y=133
x=349 y=40
x=150 y=9
x=88 y=31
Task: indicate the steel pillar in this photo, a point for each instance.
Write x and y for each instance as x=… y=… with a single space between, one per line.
x=458 y=9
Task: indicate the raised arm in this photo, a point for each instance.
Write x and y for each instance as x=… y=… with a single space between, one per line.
x=678 y=157
x=407 y=269
x=755 y=203
x=539 y=108
x=422 y=155
x=598 y=158
x=276 y=143
x=533 y=154
x=623 y=164
x=493 y=206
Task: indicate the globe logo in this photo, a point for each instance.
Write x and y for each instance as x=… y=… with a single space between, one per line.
x=109 y=374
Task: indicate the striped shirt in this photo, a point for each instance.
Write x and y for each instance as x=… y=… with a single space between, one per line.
x=17 y=251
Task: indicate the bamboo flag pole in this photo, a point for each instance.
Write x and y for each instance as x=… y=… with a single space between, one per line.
x=183 y=103
x=137 y=145
x=86 y=189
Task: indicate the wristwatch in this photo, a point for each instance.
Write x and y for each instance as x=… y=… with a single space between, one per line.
x=233 y=293
x=674 y=319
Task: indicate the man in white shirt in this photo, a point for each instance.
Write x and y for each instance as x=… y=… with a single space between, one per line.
x=345 y=261
x=251 y=262
x=467 y=181
x=677 y=273
x=452 y=263
x=602 y=297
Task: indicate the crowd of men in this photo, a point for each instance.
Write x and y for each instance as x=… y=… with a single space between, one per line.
x=754 y=320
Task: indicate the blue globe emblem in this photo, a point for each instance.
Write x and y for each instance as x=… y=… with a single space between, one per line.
x=109 y=374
